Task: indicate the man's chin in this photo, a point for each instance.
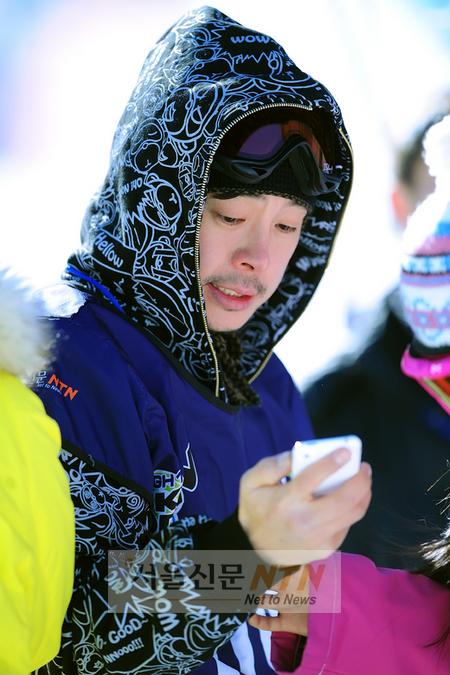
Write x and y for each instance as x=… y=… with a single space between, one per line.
x=223 y=329
x=220 y=331
x=225 y=326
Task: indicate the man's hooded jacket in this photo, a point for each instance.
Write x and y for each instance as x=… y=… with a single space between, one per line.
x=153 y=448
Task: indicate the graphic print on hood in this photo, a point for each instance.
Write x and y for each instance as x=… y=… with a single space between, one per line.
x=140 y=233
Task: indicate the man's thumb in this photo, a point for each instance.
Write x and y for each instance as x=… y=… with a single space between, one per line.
x=268 y=471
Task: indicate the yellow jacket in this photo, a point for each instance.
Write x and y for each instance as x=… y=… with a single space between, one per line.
x=36 y=514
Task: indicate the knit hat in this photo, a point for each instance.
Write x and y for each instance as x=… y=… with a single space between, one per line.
x=425 y=288
x=425 y=274
x=274 y=153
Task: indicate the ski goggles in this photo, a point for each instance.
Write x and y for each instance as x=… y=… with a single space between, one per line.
x=263 y=150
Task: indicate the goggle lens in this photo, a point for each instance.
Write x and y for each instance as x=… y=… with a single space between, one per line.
x=266 y=141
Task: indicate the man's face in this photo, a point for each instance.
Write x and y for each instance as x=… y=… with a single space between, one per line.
x=245 y=246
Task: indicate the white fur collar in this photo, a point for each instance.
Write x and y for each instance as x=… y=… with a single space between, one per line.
x=24 y=341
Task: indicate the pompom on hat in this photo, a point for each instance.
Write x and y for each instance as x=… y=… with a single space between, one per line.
x=425 y=275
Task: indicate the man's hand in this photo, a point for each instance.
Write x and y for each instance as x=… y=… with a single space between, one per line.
x=285 y=523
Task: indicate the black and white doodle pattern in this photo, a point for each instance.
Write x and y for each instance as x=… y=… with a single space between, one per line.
x=144 y=637
x=139 y=233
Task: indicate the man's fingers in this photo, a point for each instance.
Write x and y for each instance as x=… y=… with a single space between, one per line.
x=267 y=471
x=311 y=477
x=326 y=516
x=333 y=526
x=353 y=491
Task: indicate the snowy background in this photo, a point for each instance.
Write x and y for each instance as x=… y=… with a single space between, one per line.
x=67 y=68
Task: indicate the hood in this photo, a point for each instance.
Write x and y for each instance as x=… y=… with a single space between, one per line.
x=24 y=341
x=140 y=235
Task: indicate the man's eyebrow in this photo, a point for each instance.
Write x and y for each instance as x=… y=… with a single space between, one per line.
x=292 y=202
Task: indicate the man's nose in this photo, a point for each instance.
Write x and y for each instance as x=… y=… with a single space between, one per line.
x=253 y=254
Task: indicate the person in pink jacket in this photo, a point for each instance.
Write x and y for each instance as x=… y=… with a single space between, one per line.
x=384 y=622
x=360 y=619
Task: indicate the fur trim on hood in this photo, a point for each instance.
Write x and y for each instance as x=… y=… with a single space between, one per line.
x=24 y=341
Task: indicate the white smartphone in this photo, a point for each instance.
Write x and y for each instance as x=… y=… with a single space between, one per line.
x=305 y=453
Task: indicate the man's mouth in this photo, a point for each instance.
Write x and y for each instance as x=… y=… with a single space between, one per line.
x=237 y=298
x=230 y=291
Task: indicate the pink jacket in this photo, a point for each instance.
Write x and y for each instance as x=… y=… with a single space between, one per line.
x=387 y=619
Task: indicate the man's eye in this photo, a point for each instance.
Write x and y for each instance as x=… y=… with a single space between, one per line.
x=286 y=228
x=228 y=219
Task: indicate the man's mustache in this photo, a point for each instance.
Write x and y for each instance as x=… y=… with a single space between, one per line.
x=230 y=280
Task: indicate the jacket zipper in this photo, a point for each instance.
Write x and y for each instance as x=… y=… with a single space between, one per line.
x=264 y=361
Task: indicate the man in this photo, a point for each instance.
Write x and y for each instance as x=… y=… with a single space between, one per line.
x=403 y=433
x=204 y=245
